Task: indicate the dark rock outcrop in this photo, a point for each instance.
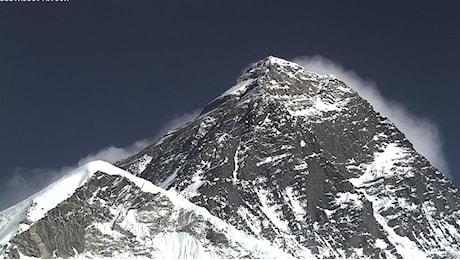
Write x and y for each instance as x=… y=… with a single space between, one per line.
x=302 y=160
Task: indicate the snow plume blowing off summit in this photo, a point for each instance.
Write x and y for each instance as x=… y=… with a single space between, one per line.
x=285 y=163
x=421 y=132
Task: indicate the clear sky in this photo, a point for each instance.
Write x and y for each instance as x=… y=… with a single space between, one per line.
x=78 y=76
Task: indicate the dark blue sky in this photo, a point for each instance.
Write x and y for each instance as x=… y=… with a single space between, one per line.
x=80 y=75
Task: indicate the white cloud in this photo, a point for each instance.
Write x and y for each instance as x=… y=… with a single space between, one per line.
x=112 y=153
x=177 y=122
x=24 y=183
x=421 y=132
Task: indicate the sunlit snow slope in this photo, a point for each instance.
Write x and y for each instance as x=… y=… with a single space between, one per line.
x=104 y=211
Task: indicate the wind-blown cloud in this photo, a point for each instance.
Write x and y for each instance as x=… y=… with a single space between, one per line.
x=112 y=153
x=24 y=183
x=421 y=132
x=177 y=122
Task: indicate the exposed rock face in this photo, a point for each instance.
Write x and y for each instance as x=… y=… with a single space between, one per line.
x=301 y=160
x=285 y=163
x=112 y=217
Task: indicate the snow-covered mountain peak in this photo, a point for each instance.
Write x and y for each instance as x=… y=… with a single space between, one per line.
x=103 y=211
x=301 y=92
x=36 y=206
x=275 y=61
x=271 y=65
x=286 y=162
x=300 y=159
x=269 y=72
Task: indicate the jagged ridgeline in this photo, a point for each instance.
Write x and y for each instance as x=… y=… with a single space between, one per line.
x=285 y=163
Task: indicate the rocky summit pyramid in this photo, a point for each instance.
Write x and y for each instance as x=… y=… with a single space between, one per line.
x=287 y=163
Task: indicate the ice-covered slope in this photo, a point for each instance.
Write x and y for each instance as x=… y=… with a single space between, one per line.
x=103 y=211
x=302 y=160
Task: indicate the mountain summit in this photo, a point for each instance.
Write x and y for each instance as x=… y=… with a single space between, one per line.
x=285 y=163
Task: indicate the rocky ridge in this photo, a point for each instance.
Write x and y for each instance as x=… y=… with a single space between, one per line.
x=302 y=160
x=286 y=163
x=115 y=214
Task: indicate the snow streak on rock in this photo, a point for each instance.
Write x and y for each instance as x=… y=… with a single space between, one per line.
x=299 y=159
x=129 y=217
x=285 y=163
